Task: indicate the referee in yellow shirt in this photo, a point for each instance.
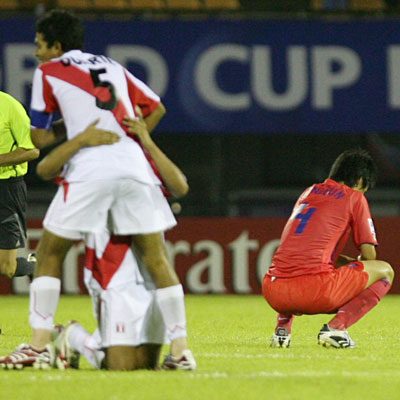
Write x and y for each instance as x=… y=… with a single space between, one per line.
x=16 y=149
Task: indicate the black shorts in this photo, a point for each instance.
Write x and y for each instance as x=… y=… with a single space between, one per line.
x=13 y=199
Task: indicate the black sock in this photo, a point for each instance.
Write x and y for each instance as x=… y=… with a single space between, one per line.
x=24 y=267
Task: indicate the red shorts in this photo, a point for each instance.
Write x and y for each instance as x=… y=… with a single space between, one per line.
x=321 y=293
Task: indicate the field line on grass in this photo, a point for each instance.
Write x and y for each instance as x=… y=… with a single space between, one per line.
x=274 y=374
x=284 y=354
x=319 y=374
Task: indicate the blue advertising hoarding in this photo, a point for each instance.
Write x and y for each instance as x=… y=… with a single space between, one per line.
x=243 y=76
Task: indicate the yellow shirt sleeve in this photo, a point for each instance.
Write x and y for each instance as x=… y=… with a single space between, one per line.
x=15 y=131
x=20 y=125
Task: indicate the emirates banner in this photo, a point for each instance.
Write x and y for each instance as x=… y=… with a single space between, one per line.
x=213 y=255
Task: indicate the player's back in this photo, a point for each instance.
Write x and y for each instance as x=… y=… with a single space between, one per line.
x=84 y=88
x=317 y=230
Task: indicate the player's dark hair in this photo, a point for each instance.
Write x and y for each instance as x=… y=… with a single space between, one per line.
x=352 y=165
x=61 y=26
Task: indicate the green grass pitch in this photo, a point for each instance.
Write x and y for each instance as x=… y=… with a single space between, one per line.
x=229 y=336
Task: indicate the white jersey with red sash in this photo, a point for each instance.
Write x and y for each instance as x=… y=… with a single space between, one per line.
x=84 y=87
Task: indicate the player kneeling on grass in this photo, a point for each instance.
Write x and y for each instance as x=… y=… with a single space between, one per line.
x=135 y=318
x=116 y=180
x=131 y=330
x=308 y=275
x=133 y=315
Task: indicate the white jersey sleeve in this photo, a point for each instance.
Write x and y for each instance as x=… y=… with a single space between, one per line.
x=140 y=94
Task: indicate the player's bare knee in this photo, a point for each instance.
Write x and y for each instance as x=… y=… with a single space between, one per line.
x=389 y=272
x=8 y=268
x=7 y=274
x=385 y=271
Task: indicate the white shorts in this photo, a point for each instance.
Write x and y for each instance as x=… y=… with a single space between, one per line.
x=125 y=205
x=128 y=316
x=124 y=299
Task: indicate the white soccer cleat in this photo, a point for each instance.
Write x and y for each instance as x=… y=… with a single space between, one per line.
x=338 y=339
x=281 y=338
x=65 y=356
x=186 y=362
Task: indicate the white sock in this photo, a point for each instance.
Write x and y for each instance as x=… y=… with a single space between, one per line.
x=44 y=293
x=88 y=345
x=172 y=305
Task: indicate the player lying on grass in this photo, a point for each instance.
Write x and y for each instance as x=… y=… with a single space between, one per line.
x=306 y=277
x=132 y=327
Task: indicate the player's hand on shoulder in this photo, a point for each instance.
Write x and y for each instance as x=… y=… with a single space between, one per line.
x=93 y=136
x=138 y=127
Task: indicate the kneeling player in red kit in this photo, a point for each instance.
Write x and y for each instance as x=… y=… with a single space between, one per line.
x=309 y=275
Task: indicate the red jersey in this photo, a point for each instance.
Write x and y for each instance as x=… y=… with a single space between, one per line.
x=317 y=230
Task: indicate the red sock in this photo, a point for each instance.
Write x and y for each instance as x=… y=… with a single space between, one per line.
x=284 y=321
x=356 y=308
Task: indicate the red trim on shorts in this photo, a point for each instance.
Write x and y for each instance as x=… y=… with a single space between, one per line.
x=104 y=268
x=66 y=188
x=61 y=181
